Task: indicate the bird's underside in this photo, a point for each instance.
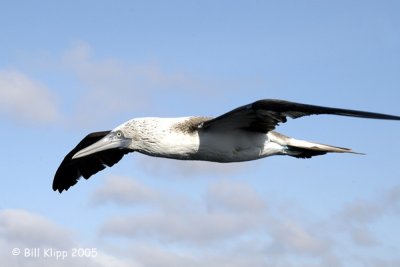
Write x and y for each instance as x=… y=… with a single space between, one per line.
x=241 y=126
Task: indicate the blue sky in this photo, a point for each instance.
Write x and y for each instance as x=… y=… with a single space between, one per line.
x=71 y=68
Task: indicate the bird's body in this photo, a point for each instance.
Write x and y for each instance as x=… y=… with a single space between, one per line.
x=243 y=134
x=176 y=138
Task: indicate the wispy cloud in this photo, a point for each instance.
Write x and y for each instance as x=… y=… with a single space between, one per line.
x=123 y=191
x=290 y=237
x=221 y=217
x=179 y=227
x=115 y=75
x=129 y=192
x=32 y=230
x=229 y=216
x=234 y=225
x=112 y=86
x=107 y=87
x=357 y=216
x=26 y=100
x=24 y=230
x=237 y=197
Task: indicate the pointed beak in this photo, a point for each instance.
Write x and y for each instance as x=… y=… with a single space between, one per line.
x=110 y=141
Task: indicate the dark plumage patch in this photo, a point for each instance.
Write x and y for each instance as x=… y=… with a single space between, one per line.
x=190 y=125
x=303 y=153
x=70 y=170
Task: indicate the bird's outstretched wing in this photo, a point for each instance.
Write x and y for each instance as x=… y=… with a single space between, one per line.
x=264 y=115
x=70 y=170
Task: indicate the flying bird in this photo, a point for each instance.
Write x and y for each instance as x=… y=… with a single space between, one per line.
x=243 y=134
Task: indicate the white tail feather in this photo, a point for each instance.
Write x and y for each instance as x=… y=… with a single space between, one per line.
x=305 y=149
x=318 y=147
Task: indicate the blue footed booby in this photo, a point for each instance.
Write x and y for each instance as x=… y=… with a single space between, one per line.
x=243 y=134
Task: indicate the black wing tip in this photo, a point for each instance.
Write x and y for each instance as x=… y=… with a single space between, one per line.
x=60 y=189
x=71 y=170
x=389 y=117
x=61 y=184
x=65 y=177
x=282 y=105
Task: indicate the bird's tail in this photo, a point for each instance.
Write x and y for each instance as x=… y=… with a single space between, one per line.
x=304 y=149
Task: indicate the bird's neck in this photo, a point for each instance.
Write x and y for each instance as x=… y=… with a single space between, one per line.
x=165 y=137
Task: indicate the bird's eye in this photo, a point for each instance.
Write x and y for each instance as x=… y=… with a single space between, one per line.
x=119 y=134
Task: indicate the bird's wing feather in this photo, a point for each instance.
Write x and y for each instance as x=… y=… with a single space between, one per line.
x=70 y=170
x=265 y=115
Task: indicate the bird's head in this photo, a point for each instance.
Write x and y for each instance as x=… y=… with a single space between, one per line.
x=119 y=138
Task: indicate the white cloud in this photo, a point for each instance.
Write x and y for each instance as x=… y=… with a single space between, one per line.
x=230 y=226
x=219 y=229
x=391 y=199
x=362 y=236
x=233 y=226
x=357 y=216
x=129 y=192
x=24 y=230
x=375 y=262
x=113 y=87
x=189 y=228
x=27 y=100
x=32 y=230
x=123 y=191
x=290 y=236
x=107 y=74
x=234 y=196
x=154 y=256
x=107 y=260
x=176 y=225
x=108 y=86
x=364 y=211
